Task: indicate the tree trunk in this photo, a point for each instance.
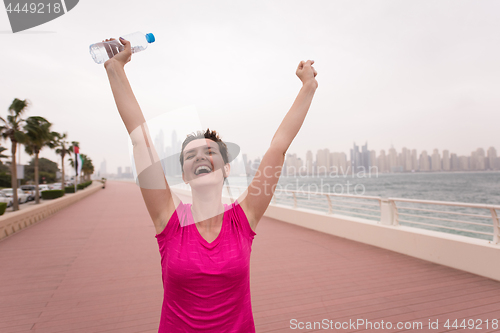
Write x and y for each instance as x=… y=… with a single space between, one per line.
x=37 y=193
x=13 y=176
x=63 y=186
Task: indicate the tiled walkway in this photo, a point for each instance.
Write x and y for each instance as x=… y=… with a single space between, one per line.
x=95 y=267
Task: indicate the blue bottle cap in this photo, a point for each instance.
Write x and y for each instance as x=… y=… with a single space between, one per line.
x=150 y=38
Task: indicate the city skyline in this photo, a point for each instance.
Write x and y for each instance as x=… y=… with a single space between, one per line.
x=407 y=160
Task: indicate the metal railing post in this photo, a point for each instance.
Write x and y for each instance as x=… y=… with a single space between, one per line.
x=330 y=208
x=394 y=209
x=386 y=214
x=496 y=226
x=294 y=200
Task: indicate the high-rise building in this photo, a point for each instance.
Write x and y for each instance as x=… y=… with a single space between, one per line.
x=406 y=159
x=492 y=159
x=360 y=160
x=392 y=159
x=343 y=163
x=414 y=160
x=103 y=170
x=436 y=161
x=481 y=159
x=293 y=165
x=373 y=158
x=446 y=160
x=322 y=162
x=454 y=162
x=119 y=171
x=424 y=161
x=382 y=162
x=309 y=162
x=464 y=163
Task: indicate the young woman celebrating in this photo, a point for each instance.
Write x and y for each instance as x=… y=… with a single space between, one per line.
x=205 y=246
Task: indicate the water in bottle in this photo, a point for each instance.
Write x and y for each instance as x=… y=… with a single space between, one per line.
x=103 y=51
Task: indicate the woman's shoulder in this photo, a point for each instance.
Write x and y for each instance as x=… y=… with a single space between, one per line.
x=239 y=217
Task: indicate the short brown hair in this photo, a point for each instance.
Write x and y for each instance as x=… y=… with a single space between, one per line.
x=212 y=135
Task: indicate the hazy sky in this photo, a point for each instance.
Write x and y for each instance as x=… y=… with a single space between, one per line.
x=415 y=74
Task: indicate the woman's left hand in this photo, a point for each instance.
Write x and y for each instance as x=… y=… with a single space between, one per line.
x=307 y=73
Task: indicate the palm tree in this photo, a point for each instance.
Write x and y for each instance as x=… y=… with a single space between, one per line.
x=87 y=167
x=11 y=129
x=37 y=136
x=58 y=141
x=2 y=149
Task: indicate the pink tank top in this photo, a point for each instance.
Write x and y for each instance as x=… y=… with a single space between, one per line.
x=206 y=285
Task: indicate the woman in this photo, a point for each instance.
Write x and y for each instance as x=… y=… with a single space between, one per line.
x=205 y=247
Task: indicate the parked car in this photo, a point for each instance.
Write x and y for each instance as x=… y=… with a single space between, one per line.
x=21 y=196
x=6 y=199
x=29 y=190
x=56 y=186
x=44 y=187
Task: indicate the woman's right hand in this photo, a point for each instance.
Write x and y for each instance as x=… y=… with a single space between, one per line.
x=123 y=56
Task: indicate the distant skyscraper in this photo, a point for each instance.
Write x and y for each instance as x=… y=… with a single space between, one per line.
x=382 y=162
x=309 y=162
x=373 y=158
x=119 y=171
x=338 y=163
x=103 y=168
x=424 y=161
x=481 y=159
x=464 y=163
x=406 y=159
x=293 y=165
x=360 y=159
x=446 y=160
x=492 y=159
x=414 y=160
x=436 y=161
x=322 y=161
x=392 y=159
x=454 y=162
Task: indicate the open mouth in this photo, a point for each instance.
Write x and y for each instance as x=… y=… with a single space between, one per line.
x=202 y=169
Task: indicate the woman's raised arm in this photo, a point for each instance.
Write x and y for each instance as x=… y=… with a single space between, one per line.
x=159 y=199
x=260 y=192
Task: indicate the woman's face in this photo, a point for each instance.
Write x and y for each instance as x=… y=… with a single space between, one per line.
x=203 y=163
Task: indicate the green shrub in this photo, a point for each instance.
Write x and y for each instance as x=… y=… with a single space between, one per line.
x=52 y=194
x=69 y=189
x=3 y=207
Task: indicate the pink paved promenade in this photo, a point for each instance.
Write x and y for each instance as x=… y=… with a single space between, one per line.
x=95 y=267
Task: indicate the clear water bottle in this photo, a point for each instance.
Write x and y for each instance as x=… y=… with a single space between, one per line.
x=103 y=51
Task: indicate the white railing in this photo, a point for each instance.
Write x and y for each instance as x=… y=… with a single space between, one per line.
x=446 y=222
x=416 y=213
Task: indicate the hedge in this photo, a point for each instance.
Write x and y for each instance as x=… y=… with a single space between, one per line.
x=3 y=207
x=83 y=185
x=52 y=194
x=69 y=189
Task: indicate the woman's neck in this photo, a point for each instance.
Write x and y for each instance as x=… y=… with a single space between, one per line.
x=207 y=206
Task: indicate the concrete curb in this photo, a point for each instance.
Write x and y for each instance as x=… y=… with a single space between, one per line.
x=16 y=221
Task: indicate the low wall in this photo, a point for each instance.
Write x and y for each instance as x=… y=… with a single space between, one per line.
x=468 y=254
x=12 y=222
